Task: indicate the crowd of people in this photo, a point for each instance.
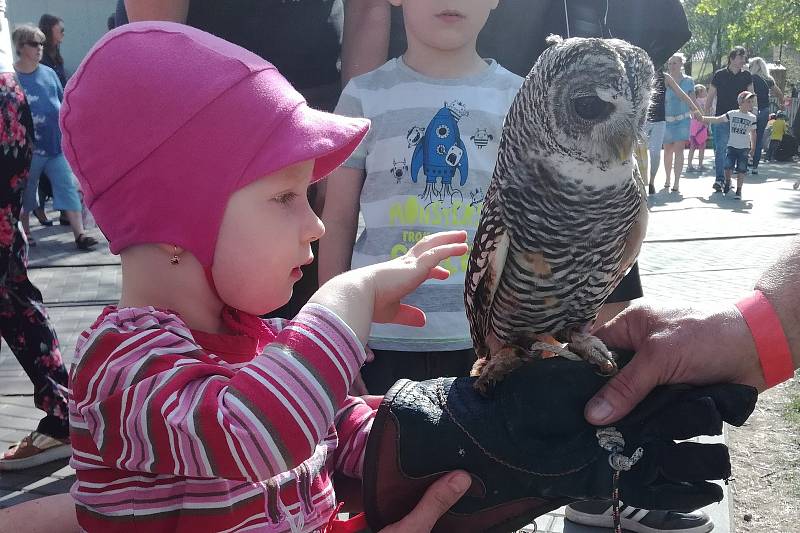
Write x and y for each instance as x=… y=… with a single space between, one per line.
x=174 y=389
x=677 y=121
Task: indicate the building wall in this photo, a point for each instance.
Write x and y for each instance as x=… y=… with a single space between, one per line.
x=84 y=22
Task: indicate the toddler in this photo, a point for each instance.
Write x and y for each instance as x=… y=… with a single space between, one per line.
x=188 y=412
x=698 y=132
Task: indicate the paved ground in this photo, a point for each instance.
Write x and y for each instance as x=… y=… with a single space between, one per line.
x=701 y=247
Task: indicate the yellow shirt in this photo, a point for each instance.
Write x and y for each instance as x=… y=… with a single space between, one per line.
x=778 y=129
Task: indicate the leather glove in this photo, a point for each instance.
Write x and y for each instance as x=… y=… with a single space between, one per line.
x=530 y=450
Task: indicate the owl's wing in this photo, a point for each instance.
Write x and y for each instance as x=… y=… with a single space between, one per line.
x=486 y=263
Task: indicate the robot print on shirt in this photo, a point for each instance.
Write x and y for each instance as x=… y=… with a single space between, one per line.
x=440 y=153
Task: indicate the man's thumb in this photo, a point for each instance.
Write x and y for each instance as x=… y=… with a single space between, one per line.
x=623 y=392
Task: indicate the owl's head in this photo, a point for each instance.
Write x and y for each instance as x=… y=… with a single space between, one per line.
x=586 y=99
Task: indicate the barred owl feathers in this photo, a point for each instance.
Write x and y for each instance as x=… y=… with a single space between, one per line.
x=565 y=213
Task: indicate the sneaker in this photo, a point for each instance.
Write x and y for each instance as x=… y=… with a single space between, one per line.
x=738 y=194
x=690 y=168
x=651 y=189
x=34 y=450
x=717 y=186
x=727 y=188
x=597 y=513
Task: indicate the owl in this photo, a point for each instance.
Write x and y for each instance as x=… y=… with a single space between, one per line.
x=565 y=213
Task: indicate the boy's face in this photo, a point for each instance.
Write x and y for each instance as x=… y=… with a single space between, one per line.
x=264 y=238
x=747 y=105
x=445 y=24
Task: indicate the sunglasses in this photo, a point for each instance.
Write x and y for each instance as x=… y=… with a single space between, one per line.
x=34 y=44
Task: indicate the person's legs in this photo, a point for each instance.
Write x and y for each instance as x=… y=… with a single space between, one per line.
x=29 y=199
x=730 y=163
x=761 y=125
x=668 y=154
x=29 y=334
x=773 y=147
x=721 y=135
x=689 y=167
x=677 y=151
x=65 y=193
x=654 y=143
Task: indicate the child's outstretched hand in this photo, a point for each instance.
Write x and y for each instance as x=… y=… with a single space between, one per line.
x=399 y=277
x=373 y=293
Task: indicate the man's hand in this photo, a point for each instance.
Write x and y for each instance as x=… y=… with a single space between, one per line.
x=439 y=497
x=674 y=345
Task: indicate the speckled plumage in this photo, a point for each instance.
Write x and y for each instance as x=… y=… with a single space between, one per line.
x=565 y=213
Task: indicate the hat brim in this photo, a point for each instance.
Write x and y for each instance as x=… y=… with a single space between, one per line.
x=307 y=134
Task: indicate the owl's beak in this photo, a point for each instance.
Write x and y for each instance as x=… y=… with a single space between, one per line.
x=624 y=148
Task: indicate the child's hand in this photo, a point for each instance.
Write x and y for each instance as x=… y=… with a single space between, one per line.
x=399 y=277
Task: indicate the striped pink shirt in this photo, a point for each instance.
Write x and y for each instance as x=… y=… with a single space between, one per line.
x=178 y=430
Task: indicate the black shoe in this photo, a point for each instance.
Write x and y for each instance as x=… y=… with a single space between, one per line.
x=42 y=217
x=64 y=221
x=651 y=189
x=85 y=243
x=597 y=513
x=717 y=186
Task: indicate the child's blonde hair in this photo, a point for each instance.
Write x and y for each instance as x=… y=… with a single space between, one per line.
x=24 y=33
x=699 y=87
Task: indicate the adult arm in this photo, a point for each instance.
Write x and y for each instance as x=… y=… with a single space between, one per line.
x=672 y=84
x=684 y=345
x=340 y=217
x=777 y=93
x=710 y=96
x=365 y=42
x=169 y=10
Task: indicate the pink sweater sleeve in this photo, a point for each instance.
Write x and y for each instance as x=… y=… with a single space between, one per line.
x=154 y=401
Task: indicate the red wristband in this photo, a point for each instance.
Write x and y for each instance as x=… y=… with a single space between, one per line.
x=767 y=331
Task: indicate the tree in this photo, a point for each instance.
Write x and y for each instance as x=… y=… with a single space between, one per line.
x=718 y=25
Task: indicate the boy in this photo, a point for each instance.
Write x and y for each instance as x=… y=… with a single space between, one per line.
x=741 y=143
x=778 y=129
x=437 y=116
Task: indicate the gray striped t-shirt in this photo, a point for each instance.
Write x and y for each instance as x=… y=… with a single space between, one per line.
x=428 y=160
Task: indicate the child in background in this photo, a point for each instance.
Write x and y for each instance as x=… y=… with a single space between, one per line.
x=437 y=115
x=777 y=131
x=188 y=412
x=698 y=132
x=742 y=141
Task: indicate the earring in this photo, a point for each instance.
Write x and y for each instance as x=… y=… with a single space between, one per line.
x=175 y=259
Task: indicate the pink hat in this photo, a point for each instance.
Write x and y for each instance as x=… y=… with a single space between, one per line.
x=163 y=122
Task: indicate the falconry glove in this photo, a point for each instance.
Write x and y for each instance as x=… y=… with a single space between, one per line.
x=530 y=450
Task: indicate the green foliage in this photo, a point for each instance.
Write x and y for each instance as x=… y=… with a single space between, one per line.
x=718 y=25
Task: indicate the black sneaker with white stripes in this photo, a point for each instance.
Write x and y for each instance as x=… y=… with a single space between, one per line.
x=597 y=513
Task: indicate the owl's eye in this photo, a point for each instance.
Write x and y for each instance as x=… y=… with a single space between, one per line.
x=592 y=107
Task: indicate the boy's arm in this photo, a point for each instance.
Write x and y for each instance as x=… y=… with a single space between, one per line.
x=712 y=119
x=365 y=39
x=169 y=10
x=753 y=139
x=340 y=217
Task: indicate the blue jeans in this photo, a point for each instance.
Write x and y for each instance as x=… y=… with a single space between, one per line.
x=736 y=158
x=721 y=134
x=761 y=125
x=65 y=188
